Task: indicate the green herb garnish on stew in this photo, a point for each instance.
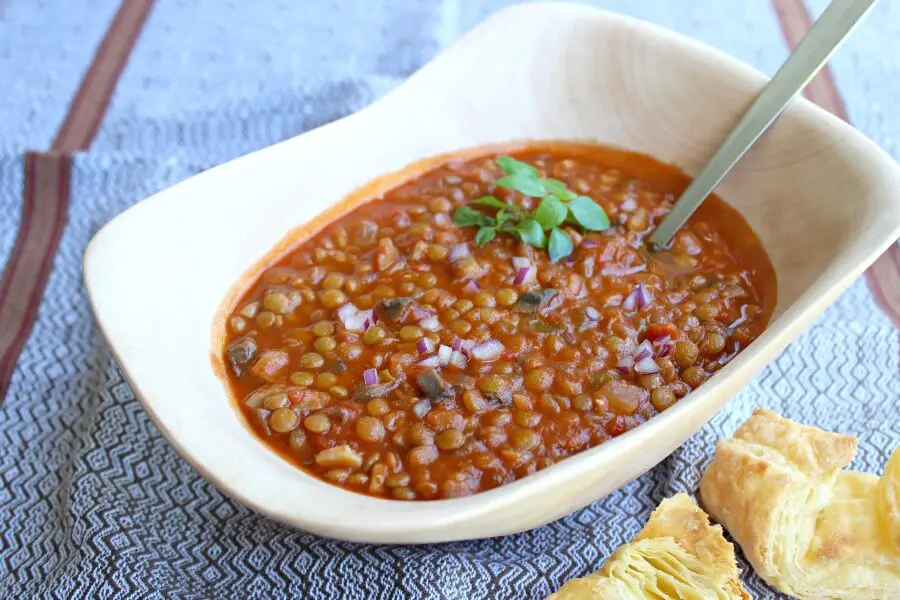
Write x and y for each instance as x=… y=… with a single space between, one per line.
x=541 y=227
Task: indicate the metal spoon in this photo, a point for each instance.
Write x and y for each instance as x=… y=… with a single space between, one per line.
x=829 y=31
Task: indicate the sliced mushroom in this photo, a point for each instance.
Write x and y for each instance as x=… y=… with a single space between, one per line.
x=394 y=310
x=240 y=353
x=533 y=302
x=433 y=386
x=378 y=390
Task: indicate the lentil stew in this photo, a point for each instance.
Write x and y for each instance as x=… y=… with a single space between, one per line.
x=391 y=354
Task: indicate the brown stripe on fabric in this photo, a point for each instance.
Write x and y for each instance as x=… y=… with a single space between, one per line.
x=46 y=190
x=795 y=21
x=43 y=216
x=96 y=89
x=883 y=277
x=24 y=225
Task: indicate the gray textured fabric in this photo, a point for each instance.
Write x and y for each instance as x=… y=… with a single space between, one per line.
x=215 y=76
x=866 y=69
x=94 y=503
x=45 y=46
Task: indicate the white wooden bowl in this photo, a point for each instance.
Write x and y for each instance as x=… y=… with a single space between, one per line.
x=824 y=200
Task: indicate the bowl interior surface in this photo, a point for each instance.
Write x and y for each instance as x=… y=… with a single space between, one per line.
x=819 y=195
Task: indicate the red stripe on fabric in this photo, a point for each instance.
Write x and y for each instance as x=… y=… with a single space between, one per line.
x=24 y=225
x=95 y=92
x=47 y=192
x=46 y=186
x=795 y=21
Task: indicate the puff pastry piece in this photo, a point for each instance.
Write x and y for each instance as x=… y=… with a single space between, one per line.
x=677 y=555
x=808 y=528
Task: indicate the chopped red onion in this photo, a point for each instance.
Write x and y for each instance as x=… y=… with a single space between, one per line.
x=525 y=275
x=646 y=366
x=464 y=346
x=620 y=271
x=628 y=204
x=346 y=311
x=354 y=319
x=424 y=345
x=430 y=324
x=592 y=313
x=639 y=297
x=665 y=339
x=489 y=350
x=359 y=322
x=644 y=297
x=444 y=353
x=422 y=408
x=370 y=377
x=664 y=346
x=458 y=359
x=458 y=252
x=520 y=262
x=644 y=350
x=471 y=287
x=740 y=320
x=726 y=358
x=419 y=312
x=432 y=361
x=589 y=244
x=626 y=363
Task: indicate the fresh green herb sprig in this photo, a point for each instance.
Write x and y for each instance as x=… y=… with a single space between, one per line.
x=541 y=227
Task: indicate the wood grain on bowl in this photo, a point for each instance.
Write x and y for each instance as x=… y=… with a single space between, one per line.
x=817 y=193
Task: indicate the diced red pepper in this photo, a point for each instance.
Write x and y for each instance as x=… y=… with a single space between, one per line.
x=657 y=331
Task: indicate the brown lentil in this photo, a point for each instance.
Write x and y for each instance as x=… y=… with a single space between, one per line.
x=283 y=420
x=317 y=423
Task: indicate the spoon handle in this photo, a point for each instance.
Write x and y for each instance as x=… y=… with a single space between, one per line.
x=829 y=31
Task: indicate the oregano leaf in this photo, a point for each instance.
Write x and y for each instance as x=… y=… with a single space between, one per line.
x=550 y=213
x=512 y=166
x=524 y=184
x=560 y=245
x=466 y=217
x=531 y=232
x=490 y=201
x=485 y=235
x=588 y=214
